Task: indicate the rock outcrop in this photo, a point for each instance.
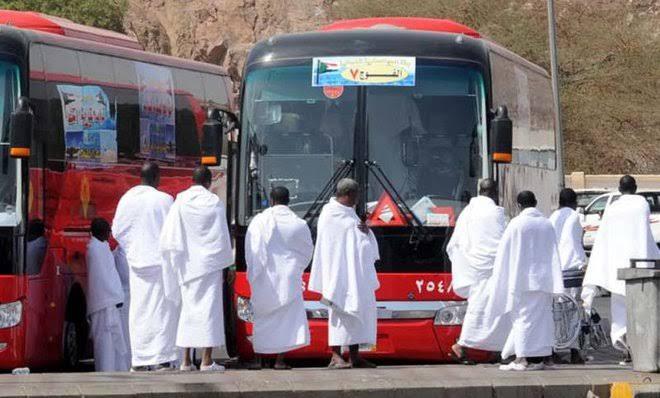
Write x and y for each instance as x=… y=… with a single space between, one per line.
x=219 y=31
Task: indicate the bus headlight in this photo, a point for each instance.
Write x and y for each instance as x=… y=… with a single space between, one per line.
x=244 y=309
x=10 y=314
x=451 y=315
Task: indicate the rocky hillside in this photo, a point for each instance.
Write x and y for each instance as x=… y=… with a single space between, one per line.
x=219 y=31
x=609 y=55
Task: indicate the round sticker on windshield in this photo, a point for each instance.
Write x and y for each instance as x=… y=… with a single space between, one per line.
x=333 y=92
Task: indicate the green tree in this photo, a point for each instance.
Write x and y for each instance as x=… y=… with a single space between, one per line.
x=107 y=14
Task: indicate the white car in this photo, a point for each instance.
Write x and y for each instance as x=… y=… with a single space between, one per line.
x=594 y=212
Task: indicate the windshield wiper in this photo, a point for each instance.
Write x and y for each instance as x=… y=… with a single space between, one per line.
x=315 y=209
x=418 y=228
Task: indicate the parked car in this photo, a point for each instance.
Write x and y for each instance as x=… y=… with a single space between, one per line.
x=593 y=213
x=585 y=196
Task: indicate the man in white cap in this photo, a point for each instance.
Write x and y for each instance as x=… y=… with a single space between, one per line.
x=105 y=299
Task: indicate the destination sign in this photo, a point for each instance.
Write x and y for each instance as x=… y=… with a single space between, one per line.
x=363 y=71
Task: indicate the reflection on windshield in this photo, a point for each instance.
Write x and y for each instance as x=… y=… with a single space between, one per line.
x=428 y=140
x=297 y=135
x=9 y=92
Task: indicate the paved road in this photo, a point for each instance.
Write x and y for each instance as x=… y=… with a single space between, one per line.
x=394 y=381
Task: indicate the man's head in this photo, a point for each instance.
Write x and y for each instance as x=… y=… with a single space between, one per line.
x=526 y=199
x=100 y=229
x=347 y=192
x=627 y=185
x=488 y=187
x=202 y=176
x=279 y=196
x=150 y=174
x=568 y=198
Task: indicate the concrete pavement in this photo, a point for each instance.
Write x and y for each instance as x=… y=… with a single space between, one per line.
x=393 y=381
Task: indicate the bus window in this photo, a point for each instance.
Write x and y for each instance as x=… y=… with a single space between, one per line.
x=428 y=138
x=528 y=95
x=127 y=111
x=293 y=135
x=190 y=115
x=9 y=93
x=61 y=64
x=96 y=69
x=216 y=92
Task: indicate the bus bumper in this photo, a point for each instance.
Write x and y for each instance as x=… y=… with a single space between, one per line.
x=409 y=340
x=12 y=343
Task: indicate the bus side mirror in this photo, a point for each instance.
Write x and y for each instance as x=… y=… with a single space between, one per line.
x=217 y=122
x=21 y=126
x=501 y=136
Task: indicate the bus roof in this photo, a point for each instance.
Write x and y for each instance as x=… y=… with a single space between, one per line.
x=64 y=27
x=408 y=23
x=384 y=42
x=8 y=33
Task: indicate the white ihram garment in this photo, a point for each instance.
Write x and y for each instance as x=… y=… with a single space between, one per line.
x=152 y=317
x=568 y=231
x=278 y=248
x=104 y=294
x=624 y=234
x=472 y=251
x=343 y=272
x=124 y=276
x=526 y=275
x=196 y=246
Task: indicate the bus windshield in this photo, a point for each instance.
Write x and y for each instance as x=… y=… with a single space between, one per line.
x=428 y=139
x=9 y=93
x=293 y=135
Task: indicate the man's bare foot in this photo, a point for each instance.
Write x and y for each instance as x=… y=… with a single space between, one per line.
x=281 y=366
x=576 y=357
x=338 y=363
x=255 y=364
x=458 y=351
x=362 y=363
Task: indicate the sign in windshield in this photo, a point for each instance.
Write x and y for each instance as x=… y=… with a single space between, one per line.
x=363 y=71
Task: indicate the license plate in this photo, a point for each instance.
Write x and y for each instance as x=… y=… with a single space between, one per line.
x=368 y=348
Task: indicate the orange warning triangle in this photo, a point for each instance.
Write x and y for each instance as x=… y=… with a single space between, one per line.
x=386 y=213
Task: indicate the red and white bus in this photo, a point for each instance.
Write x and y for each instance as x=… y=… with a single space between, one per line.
x=100 y=107
x=414 y=109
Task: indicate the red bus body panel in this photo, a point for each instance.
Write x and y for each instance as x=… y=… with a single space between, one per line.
x=413 y=340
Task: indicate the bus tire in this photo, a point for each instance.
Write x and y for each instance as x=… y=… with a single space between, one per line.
x=75 y=329
x=71 y=347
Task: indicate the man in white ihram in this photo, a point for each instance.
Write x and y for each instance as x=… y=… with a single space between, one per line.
x=152 y=317
x=568 y=231
x=624 y=234
x=472 y=250
x=343 y=272
x=106 y=297
x=278 y=248
x=526 y=276
x=195 y=244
